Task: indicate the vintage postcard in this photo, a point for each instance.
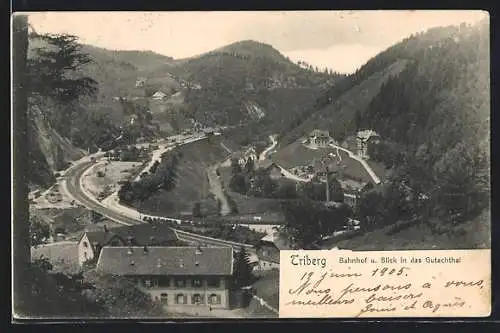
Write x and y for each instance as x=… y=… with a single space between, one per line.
x=305 y=164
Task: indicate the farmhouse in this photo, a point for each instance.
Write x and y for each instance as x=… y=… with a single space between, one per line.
x=91 y=242
x=159 y=95
x=268 y=251
x=319 y=138
x=140 y=82
x=363 y=138
x=175 y=276
x=243 y=156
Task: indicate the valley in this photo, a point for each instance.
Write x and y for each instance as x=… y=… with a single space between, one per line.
x=241 y=148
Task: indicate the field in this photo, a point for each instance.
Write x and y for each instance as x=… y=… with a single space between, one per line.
x=251 y=205
x=469 y=235
x=296 y=154
x=191 y=183
x=114 y=172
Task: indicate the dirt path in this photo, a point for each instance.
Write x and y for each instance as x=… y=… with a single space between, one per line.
x=274 y=142
x=372 y=174
x=217 y=190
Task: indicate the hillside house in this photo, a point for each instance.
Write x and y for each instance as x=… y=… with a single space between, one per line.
x=268 y=251
x=243 y=156
x=140 y=82
x=175 y=276
x=363 y=138
x=91 y=242
x=159 y=96
x=319 y=138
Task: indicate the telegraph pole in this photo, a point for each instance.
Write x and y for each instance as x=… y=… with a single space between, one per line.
x=327 y=184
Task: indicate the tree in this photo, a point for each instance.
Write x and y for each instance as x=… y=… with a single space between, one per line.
x=54 y=74
x=235 y=166
x=307 y=222
x=197 y=210
x=335 y=189
x=154 y=167
x=121 y=297
x=249 y=166
x=285 y=190
x=301 y=225
x=312 y=191
x=238 y=183
x=242 y=275
x=39 y=232
x=57 y=295
x=52 y=66
x=96 y=217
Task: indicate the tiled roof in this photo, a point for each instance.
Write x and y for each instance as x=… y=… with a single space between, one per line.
x=318 y=132
x=100 y=237
x=142 y=234
x=279 y=241
x=366 y=134
x=166 y=260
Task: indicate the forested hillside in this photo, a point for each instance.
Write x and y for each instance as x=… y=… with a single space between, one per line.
x=351 y=96
x=242 y=73
x=428 y=98
x=70 y=111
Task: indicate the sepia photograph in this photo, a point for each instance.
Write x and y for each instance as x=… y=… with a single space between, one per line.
x=168 y=157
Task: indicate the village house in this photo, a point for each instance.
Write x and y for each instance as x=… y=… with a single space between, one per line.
x=140 y=82
x=159 y=95
x=91 y=242
x=268 y=251
x=243 y=156
x=175 y=276
x=363 y=138
x=319 y=138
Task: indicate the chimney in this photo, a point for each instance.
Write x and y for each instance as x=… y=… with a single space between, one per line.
x=199 y=250
x=105 y=228
x=129 y=252
x=146 y=250
x=158 y=264
x=181 y=263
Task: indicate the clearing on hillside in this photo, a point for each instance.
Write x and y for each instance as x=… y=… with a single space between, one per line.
x=191 y=181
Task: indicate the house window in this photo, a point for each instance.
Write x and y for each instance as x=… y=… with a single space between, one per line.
x=164 y=298
x=196 y=283
x=85 y=244
x=147 y=283
x=214 y=299
x=181 y=299
x=197 y=299
x=180 y=283
x=154 y=283
x=213 y=282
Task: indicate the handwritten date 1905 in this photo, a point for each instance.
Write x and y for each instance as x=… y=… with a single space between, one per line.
x=390 y=271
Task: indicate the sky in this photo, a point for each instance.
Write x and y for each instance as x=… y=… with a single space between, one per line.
x=339 y=40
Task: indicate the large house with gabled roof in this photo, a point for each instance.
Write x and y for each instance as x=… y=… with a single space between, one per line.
x=268 y=251
x=92 y=242
x=176 y=276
